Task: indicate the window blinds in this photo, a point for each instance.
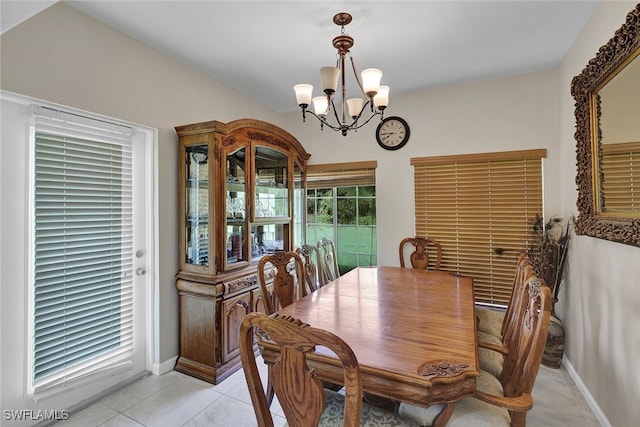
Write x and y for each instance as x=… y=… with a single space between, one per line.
x=82 y=320
x=341 y=174
x=481 y=208
x=621 y=171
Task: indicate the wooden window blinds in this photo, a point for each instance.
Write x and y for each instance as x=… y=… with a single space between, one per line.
x=341 y=174
x=621 y=171
x=481 y=207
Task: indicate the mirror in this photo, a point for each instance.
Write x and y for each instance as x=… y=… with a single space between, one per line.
x=607 y=95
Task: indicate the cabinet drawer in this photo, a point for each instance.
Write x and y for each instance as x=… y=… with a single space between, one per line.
x=238 y=285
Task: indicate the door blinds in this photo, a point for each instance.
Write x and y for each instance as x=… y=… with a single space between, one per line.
x=481 y=208
x=82 y=320
x=621 y=182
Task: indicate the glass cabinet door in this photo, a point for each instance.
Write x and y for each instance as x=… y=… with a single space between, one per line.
x=267 y=238
x=236 y=204
x=271 y=184
x=197 y=205
x=298 y=206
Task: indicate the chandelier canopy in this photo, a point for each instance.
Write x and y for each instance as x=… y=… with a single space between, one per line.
x=351 y=110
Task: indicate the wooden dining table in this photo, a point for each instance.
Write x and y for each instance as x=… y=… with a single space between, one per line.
x=412 y=331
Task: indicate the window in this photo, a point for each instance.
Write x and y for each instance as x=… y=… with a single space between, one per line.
x=82 y=249
x=481 y=207
x=341 y=205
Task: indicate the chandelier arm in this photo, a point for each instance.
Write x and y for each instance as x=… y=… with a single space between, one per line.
x=376 y=113
x=324 y=121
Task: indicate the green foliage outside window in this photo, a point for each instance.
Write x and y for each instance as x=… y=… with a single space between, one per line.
x=352 y=228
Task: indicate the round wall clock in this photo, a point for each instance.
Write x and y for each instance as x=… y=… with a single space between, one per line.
x=392 y=133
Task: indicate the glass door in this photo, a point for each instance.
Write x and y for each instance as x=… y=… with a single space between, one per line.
x=236 y=208
x=197 y=205
x=299 y=208
x=270 y=229
x=272 y=184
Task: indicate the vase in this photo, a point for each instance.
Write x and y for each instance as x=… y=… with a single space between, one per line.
x=554 y=347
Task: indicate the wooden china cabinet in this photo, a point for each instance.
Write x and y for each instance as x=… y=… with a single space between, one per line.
x=241 y=196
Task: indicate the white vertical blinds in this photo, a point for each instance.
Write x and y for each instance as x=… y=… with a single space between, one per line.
x=82 y=248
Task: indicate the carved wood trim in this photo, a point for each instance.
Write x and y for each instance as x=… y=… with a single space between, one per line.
x=442 y=369
x=622 y=45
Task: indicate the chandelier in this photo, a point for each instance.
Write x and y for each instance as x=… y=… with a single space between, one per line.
x=351 y=110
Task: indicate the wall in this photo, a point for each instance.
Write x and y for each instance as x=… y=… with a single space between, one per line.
x=66 y=57
x=600 y=306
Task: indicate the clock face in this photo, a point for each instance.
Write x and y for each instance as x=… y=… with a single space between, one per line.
x=392 y=133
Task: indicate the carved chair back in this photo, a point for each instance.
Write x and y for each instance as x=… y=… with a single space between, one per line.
x=518 y=300
x=526 y=344
x=329 y=257
x=424 y=251
x=300 y=394
x=286 y=269
x=312 y=262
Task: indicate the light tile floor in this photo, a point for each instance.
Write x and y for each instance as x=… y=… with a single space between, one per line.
x=175 y=399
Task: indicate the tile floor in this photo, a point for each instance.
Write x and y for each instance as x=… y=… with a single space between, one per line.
x=174 y=399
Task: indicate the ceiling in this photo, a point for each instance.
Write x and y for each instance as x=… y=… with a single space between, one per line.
x=262 y=48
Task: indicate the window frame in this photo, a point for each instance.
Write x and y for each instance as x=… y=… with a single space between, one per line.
x=331 y=177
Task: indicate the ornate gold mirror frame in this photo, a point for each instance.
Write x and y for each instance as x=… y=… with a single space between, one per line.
x=611 y=57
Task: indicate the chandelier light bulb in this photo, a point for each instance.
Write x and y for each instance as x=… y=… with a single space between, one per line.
x=320 y=105
x=371 y=81
x=381 y=100
x=303 y=94
x=355 y=106
x=329 y=77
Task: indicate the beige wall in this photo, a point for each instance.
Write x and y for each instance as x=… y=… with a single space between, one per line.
x=522 y=112
x=601 y=307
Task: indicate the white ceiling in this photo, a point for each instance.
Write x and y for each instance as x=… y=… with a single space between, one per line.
x=262 y=48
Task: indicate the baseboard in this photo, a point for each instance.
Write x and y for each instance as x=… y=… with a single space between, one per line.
x=164 y=367
x=602 y=419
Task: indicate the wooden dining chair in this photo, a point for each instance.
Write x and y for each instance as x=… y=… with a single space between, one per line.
x=283 y=270
x=312 y=267
x=329 y=257
x=495 y=322
x=495 y=328
x=424 y=251
x=304 y=401
x=503 y=401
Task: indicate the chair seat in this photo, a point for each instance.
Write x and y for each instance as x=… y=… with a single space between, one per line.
x=490 y=321
x=469 y=412
x=490 y=360
x=372 y=416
